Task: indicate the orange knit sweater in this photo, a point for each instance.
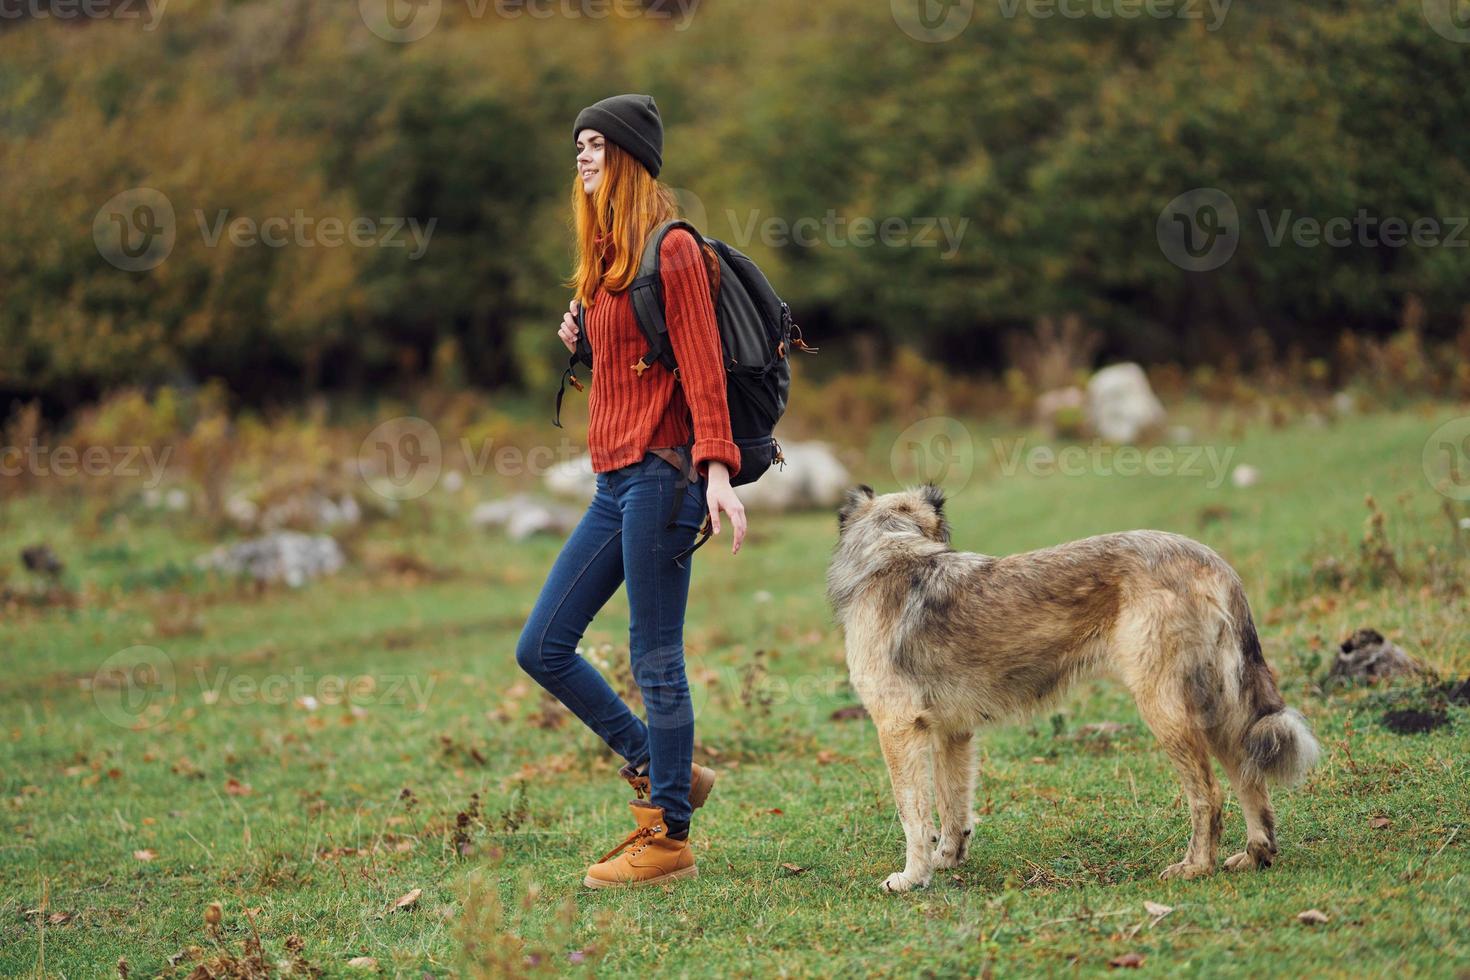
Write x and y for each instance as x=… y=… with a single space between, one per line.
x=629 y=413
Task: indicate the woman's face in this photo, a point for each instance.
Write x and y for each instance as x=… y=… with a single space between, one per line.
x=591 y=150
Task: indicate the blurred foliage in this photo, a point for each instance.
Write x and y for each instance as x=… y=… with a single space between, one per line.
x=1059 y=140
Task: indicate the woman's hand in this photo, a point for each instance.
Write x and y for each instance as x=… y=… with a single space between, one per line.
x=568 y=330
x=721 y=496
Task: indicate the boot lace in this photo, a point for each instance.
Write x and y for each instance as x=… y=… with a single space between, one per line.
x=643 y=834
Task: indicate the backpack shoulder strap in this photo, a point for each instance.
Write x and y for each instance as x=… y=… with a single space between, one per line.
x=647 y=294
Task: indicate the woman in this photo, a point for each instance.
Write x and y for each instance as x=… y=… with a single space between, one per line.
x=654 y=438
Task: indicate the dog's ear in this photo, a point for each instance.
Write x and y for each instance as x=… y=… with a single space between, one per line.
x=852 y=500
x=933 y=495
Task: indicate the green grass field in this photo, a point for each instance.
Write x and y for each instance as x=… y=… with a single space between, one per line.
x=117 y=837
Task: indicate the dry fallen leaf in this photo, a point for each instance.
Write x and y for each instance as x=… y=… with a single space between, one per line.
x=1380 y=823
x=1312 y=917
x=366 y=962
x=1156 y=910
x=826 y=757
x=213 y=913
x=407 y=901
x=795 y=869
x=234 y=787
x=146 y=854
x=1131 y=961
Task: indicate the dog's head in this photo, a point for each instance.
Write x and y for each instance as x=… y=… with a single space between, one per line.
x=919 y=511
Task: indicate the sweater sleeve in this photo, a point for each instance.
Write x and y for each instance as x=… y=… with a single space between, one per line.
x=695 y=338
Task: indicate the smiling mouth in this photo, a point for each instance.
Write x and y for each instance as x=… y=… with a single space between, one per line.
x=588 y=173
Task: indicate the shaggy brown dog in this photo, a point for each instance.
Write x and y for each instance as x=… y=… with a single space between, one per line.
x=941 y=641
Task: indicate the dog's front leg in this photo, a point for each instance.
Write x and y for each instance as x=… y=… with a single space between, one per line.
x=906 y=750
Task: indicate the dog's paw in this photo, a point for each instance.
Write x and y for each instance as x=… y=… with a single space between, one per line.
x=901 y=881
x=1249 y=859
x=952 y=853
x=1185 y=871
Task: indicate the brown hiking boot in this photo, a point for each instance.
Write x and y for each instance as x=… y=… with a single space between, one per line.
x=648 y=855
x=701 y=781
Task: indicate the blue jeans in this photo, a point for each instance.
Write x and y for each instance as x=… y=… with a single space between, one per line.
x=623 y=538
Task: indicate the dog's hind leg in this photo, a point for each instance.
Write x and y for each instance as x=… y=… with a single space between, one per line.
x=1260 y=820
x=905 y=743
x=1185 y=744
x=954 y=790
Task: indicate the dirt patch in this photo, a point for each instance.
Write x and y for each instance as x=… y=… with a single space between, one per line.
x=1414 y=721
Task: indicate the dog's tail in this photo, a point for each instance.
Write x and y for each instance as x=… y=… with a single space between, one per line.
x=1279 y=745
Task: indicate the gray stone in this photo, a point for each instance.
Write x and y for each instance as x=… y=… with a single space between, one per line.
x=1121 y=406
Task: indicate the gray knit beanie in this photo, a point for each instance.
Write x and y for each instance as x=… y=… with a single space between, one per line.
x=630 y=121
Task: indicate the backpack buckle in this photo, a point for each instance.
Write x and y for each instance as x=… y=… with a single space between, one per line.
x=639 y=366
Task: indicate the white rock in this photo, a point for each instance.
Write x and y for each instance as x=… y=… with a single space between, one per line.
x=1245 y=475
x=572 y=478
x=1181 y=435
x=176 y=500
x=242 y=511
x=523 y=516
x=282 y=556
x=1120 y=404
x=453 y=481
x=812 y=479
x=1344 y=403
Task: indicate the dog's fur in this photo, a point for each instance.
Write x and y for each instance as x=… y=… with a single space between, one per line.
x=940 y=642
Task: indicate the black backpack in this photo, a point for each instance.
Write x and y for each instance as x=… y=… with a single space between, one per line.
x=756 y=334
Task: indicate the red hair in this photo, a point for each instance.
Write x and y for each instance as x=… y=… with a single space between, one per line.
x=612 y=223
